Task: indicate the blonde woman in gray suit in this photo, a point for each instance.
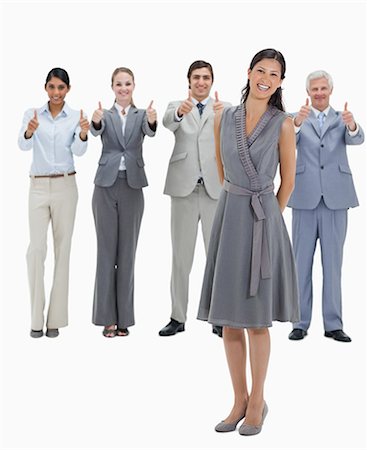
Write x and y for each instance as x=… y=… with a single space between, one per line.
x=118 y=202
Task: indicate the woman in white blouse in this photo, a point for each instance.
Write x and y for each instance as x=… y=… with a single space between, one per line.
x=56 y=133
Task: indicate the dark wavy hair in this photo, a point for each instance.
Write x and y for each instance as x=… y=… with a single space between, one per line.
x=268 y=53
x=58 y=73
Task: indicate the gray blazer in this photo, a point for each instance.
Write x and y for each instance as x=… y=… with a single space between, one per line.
x=115 y=144
x=322 y=164
x=194 y=150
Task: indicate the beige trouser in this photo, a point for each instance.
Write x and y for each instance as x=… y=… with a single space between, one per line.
x=52 y=199
x=186 y=212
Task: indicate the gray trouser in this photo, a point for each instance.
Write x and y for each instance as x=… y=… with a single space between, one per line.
x=117 y=211
x=330 y=227
x=185 y=215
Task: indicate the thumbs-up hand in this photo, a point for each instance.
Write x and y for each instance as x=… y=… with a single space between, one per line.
x=32 y=125
x=98 y=114
x=217 y=105
x=151 y=113
x=348 y=118
x=84 y=125
x=186 y=106
x=303 y=113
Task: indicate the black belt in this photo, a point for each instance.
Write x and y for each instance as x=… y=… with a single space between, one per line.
x=54 y=175
x=200 y=180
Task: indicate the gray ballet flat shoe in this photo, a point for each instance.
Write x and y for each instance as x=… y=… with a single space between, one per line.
x=36 y=333
x=52 y=332
x=250 y=430
x=224 y=427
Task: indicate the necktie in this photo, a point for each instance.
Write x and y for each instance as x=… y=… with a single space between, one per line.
x=321 y=119
x=200 y=108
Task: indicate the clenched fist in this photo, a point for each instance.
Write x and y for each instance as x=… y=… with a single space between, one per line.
x=151 y=113
x=186 y=106
x=32 y=126
x=303 y=113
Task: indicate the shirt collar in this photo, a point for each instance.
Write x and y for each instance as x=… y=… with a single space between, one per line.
x=203 y=102
x=45 y=109
x=119 y=108
x=317 y=112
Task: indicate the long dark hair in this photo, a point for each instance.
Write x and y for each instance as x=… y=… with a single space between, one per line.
x=58 y=73
x=268 y=53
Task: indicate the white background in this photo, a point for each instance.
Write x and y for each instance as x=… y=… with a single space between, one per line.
x=86 y=392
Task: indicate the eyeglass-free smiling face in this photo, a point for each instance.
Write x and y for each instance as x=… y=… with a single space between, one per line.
x=200 y=83
x=123 y=87
x=264 y=78
x=319 y=92
x=56 y=90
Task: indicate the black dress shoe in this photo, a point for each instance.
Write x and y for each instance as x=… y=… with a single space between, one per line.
x=172 y=328
x=338 y=335
x=297 y=334
x=218 y=330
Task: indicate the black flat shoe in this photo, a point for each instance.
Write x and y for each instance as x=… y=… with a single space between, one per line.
x=297 y=334
x=36 y=333
x=218 y=330
x=338 y=335
x=172 y=328
x=52 y=332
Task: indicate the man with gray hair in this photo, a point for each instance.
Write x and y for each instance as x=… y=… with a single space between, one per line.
x=324 y=191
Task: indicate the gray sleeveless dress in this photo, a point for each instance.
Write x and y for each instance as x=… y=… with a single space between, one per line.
x=250 y=276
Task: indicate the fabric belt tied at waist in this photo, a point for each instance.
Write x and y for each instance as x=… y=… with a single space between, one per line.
x=260 y=258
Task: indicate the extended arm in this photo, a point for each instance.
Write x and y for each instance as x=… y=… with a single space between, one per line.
x=169 y=117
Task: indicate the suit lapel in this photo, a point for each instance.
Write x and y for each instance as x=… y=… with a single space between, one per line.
x=196 y=115
x=330 y=119
x=117 y=124
x=130 y=123
x=314 y=122
x=208 y=110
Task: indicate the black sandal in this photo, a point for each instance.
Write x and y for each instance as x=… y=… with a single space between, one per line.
x=122 y=332
x=109 y=333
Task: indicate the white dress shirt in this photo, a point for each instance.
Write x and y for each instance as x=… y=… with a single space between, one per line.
x=123 y=124
x=54 y=142
x=326 y=112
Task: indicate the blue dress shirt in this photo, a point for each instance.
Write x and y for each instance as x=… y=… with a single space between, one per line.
x=54 y=142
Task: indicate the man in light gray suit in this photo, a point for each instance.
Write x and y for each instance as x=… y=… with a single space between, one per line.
x=192 y=182
x=324 y=191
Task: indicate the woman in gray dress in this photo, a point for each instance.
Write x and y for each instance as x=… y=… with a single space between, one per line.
x=250 y=277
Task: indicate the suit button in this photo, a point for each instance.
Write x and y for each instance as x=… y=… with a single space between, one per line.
x=322 y=145
x=322 y=167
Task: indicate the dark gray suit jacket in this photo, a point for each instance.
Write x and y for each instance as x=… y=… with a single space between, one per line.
x=115 y=144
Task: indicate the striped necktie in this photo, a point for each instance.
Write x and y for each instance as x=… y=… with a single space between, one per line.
x=200 y=108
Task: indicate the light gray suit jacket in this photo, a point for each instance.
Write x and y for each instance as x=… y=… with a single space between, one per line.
x=115 y=144
x=194 y=150
x=322 y=164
